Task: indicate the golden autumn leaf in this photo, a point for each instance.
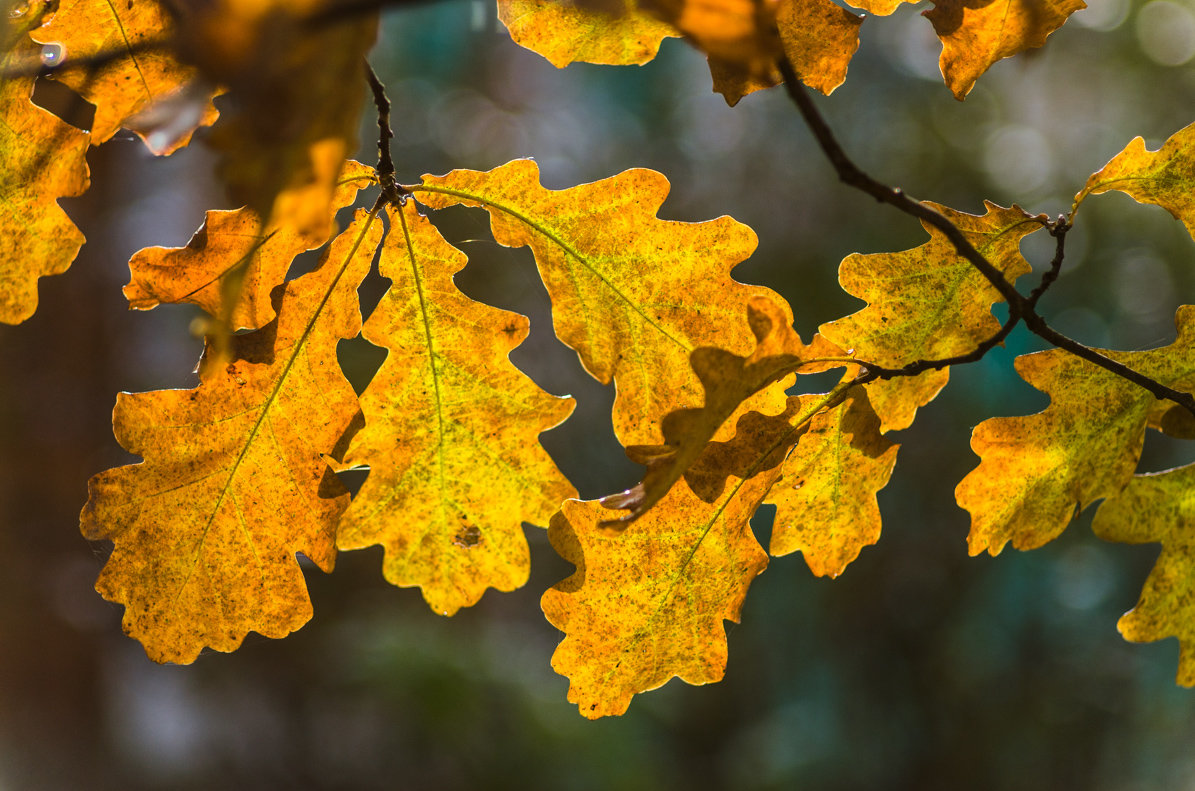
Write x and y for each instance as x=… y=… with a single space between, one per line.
x=648 y=604
x=233 y=257
x=977 y=33
x=1036 y=472
x=451 y=432
x=609 y=32
x=927 y=303
x=234 y=482
x=634 y=295
x=1159 y=508
x=120 y=88
x=41 y=159
x=879 y=7
x=1165 y=177
x=825 y=497
x=729 y=381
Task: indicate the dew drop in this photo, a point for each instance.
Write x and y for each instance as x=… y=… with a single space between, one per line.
x=18 y=10
x=53 y=54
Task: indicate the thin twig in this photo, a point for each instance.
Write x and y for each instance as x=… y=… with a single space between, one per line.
x=1020 y=307
x=392 y=192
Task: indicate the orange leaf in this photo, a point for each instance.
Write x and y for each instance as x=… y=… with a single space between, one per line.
x=977 y=33
x=125 y=86
x=1165 y=177
x=450 y=433
x=1160 y=508
x=826 y=496
x=631 y=293
x=609 y=32
x=729 y=381
x=648 y=604
x=232 y=259
x=234 y=482
x=1036 y=472
x=41 y=160
x=928 y=303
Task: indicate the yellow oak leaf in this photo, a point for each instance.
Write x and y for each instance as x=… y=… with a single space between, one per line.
x=1159 y=508
x=826 y=496
x=451 y=430
x=634 y=295
x=977 y=33
x=232 y=259
x=819 y=39
x=648 y=604
x=729 y=381
x=928 y=303
x=609 y=32
x=1036 y=472
x=122 y=87
x=1165 y=177
x=234 y=481
x=879 y=7
x=41 y=160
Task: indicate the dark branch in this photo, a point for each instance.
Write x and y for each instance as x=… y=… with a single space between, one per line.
x=1020 y=307
x=391 y=191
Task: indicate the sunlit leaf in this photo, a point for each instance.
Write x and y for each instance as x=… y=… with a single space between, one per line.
x=451 y=432
x=610 y=32
x=234 y=481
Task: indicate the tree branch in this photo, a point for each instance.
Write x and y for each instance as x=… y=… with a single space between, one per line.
x=1020 y=307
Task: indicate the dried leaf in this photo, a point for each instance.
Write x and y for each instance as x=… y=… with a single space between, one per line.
x=977 y=33
x=1037 y=472
x=1165 y=177
x=41 y=160
x=609 y=32
x=631 y=293
x=234 y=483
x=125 y=86
x=232 y=256
x=648 y=604
x=928 y=303
x=1159 y=507
x=451 y=432
x=826 y=496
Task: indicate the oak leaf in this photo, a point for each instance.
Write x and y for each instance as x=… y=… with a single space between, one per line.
x=139 y=33
x=1036 y=472
x=648 y=604
x=42 y=159
x=729 y=381
x=1165 y=177
x=608 y=32
x=450 y=434
x=234 y=482
x=634 y=295
x=1159 y=507
x=927 y=303
x=825 y=497
x=977 y=33
x=232 y=263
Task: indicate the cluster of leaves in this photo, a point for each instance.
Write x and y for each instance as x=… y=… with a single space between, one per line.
x=239 y=473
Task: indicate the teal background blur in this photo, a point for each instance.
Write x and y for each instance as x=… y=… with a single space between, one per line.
x=919 y=668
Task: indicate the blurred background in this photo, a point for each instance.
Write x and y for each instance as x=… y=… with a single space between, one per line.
x=919 y=668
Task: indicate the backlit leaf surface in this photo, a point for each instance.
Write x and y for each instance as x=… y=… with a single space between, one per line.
x=232 y=258
x=826 y=496
x=928 y=303
x=451 y=432
x=610 y=32
x=648 y=603
x=234 y=482
x=1036 y=472
x=145 y=72
x=41 y=160
x=1165 y=177
x=1159 y=508
x=977 y=33
x=631 y=293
